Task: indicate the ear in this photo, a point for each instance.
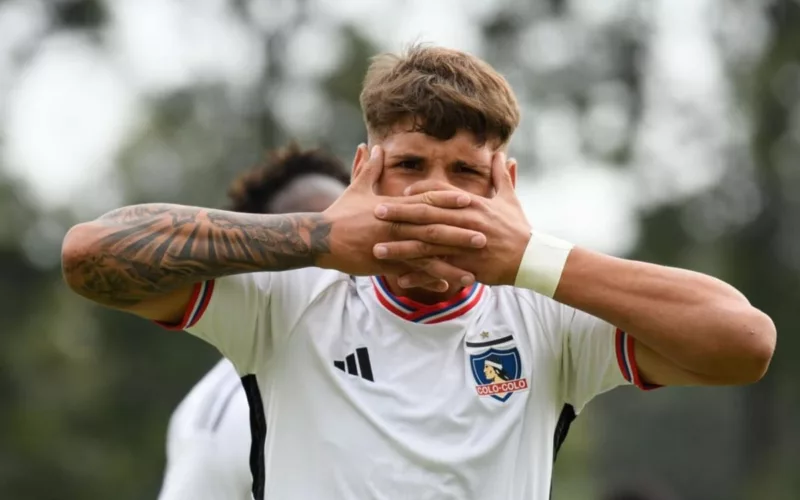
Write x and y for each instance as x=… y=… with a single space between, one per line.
x=511 y=164
x=362 y=155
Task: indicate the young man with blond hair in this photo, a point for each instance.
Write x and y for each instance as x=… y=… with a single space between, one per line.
x=367 y=327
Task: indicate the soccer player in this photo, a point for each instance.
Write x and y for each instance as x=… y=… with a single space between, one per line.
x=208 y=441
x=366 y=329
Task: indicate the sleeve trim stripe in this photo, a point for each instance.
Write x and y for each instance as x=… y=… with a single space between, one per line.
x=626 y=357
x=200 y=303
x=624 y=365
x=641 y=384
x=201 y=296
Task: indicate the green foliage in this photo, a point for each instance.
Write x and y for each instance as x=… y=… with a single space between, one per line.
x=87 y=393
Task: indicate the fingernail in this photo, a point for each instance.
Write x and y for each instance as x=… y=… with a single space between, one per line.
x=374 y=152
x=381 y=211
x=467 y=280
x=407 y=191
x=478 y=240
x=463 y=200
x=404 y=282
x=381 y=251
x=442 y=286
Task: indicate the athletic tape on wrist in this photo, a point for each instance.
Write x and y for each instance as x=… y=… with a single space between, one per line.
x=543 y=263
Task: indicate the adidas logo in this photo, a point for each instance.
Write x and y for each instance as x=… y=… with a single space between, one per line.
x=357 y=364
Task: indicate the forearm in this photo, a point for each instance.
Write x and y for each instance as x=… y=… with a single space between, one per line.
x=697 y=322
x=143 y=251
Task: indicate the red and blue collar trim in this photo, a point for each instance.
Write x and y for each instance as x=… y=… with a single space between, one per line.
x=413 y=311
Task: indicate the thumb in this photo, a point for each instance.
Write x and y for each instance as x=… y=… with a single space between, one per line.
x=369 y=170
x=501 y=175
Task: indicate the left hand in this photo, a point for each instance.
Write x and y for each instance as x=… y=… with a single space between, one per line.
x=500 y=218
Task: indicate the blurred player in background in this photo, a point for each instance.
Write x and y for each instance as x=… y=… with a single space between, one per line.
x=208 y=440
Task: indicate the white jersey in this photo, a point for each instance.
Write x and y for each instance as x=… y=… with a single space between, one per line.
x=374 y=397
x=208 y=441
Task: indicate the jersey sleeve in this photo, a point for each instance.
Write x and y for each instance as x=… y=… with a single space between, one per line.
x=247 y=316
x=233 y=315
x=596 y=357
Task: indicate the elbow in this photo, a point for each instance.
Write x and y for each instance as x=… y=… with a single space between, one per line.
x=77 y=255
x=758 y=342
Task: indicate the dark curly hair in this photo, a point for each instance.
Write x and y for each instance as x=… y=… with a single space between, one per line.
x=253 y=191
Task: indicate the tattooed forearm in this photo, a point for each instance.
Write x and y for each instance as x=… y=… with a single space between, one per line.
x=142 y=251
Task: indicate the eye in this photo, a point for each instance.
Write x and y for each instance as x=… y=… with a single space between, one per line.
x=408 y=164
x=463 y=169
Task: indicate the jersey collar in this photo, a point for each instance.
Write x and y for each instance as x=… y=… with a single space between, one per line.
x=416 y=312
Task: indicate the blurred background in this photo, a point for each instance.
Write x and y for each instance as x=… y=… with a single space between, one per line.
x=663 y=130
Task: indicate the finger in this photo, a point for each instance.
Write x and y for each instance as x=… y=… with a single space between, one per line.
x=423 y=214
x=438 y=269
x=412 y=249
x=501 y=173
x=441 y=199
x=427 y=185
x=426 y=281
x=369 y=170
x=419 y=279
x=438 y=234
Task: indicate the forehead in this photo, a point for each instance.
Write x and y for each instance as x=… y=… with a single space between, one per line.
x=463 y=146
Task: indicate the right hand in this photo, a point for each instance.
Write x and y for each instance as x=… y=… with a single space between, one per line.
x=355 y=231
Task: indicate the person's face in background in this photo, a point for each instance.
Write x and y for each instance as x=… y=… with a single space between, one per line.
x=309 y=193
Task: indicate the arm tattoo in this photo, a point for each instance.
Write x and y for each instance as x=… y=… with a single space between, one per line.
x=148 y=250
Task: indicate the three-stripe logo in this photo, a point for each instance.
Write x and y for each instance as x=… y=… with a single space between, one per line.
x=357 y=364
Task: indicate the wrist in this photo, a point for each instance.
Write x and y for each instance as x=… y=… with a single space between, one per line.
x=331 y=255
x=543 y=263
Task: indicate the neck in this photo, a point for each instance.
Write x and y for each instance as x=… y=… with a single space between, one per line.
x=420 y=295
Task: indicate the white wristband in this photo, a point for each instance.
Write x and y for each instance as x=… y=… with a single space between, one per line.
x=543 y=263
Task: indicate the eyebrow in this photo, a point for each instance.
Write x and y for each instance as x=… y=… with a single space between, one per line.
x=407 y=157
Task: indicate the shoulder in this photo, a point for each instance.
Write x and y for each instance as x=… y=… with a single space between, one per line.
x=309 y=279
x=209 y=440
x=297 y=289
x=527 y=302
x=286 y=291
x=535 y=314
x=313 y=277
